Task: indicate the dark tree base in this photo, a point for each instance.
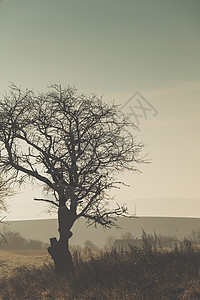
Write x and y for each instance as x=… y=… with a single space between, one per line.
x=61 y=256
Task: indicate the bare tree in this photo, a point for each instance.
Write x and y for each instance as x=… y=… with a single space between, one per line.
x=109 y=242
x=4 y=191
x=75 y=146
x=90 y=246
x=127 y=236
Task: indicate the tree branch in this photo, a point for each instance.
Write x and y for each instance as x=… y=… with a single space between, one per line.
x=46 y=200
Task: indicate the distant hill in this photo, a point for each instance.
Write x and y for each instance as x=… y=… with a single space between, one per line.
x=47 y=228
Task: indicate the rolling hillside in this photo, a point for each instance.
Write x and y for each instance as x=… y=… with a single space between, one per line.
x=46 y=228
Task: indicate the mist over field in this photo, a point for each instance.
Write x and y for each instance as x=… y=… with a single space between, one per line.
x=99 y=119
x=43 y=229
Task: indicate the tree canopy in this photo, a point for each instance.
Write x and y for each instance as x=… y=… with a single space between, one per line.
x=75 y=145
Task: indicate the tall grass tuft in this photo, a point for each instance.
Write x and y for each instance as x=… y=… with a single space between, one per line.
x=148 y=272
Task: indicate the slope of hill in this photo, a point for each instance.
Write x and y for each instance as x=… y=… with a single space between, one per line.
x=46 y=228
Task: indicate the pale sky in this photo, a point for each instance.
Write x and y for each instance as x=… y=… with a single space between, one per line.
x=117 y=48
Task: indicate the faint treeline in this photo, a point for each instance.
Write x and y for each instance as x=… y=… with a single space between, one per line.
x=14 y=241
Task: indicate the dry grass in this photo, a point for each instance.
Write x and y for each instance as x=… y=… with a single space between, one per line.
x=12 y=259
x=147 y=273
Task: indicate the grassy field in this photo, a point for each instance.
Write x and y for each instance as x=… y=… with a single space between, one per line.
x=12 y=259
x=140 y=273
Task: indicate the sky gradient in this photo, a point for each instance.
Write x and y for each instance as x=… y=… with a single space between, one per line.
x=117 y=48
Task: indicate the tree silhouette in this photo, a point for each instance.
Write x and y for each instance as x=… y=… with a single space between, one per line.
x=127 y=236
x=75 y=146
x=5 y=191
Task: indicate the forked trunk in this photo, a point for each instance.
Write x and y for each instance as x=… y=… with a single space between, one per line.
x=59 y=250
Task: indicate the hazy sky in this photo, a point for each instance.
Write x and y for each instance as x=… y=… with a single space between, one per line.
x=117 y=48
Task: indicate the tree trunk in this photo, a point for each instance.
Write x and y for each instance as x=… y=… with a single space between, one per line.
x=59 y=250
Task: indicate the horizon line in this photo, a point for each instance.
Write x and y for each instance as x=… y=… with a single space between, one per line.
x=128 y=217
